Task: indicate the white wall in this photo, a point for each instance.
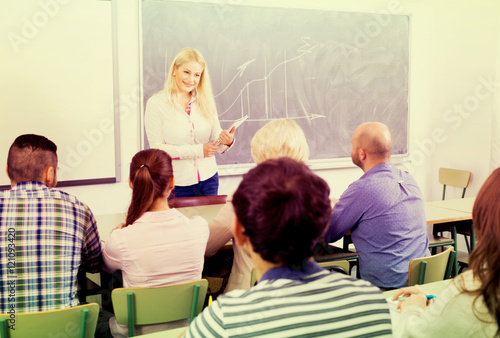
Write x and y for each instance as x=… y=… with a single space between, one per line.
x=454 y=48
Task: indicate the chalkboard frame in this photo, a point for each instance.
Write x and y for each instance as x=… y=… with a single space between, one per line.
x=400 y=153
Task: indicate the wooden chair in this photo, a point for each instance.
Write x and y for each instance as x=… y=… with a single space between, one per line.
x=79 y=321
x=183 y=202
x=459 y=179
x=432 y=268
x=454 y=178
x=144 y=306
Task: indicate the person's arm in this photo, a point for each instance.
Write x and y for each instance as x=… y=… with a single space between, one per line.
x=450 y=315
x=111 y=253
x=91 y=250
x=153 y=124
x=220 y=229
x=346 y=213
x=216 y=134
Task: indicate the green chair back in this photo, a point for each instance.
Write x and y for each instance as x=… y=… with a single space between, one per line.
x=79 y=321
x=432 y=268
x=144 y=306
x=342 y=263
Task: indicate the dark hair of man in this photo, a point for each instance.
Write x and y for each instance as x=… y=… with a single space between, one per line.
x=485 y=259
x=150 y=174
x=29 y=156
x=284 y=208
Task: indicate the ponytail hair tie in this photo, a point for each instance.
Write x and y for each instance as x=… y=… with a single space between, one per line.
x=144 y=165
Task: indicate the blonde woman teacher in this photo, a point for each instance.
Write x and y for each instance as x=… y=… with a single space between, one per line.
x=182 y=120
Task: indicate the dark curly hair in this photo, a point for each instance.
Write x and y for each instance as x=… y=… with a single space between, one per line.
x=284 y=208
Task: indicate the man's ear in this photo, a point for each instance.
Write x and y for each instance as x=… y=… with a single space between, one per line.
x=362 y=154
x=7 y=170
x=50 y=176
x=238 y=232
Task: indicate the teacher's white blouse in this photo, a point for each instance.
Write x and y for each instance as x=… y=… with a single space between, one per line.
x=182 y=136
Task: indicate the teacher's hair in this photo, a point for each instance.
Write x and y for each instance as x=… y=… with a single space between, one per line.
x=485 y=258
x=150 y=174
x=204 y=94
x=284 y=209
x=279 y=138
x=29 y=156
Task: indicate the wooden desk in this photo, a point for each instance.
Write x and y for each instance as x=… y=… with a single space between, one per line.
x=460 y=204
x=437 y=215
x=106 y=223
x=456 y=213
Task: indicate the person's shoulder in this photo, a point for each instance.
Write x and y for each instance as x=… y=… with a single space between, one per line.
x=5 y=193
x=158 y=100
x=365 y=185
x=195 y=221
x=62 y=195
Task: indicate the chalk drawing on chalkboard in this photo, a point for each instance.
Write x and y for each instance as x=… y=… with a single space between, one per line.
x=243 y=93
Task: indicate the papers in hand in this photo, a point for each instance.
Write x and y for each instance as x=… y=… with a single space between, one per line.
x=238 y=122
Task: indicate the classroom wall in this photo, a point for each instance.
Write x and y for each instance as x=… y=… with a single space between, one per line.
x=454 y=61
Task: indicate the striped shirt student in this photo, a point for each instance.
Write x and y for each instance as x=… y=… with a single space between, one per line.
x=55 y=234
x=282 y=210
x=308 y=303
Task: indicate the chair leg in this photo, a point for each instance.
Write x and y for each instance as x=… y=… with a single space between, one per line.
x=451 y=261
x=454 y=236
x=467 y=243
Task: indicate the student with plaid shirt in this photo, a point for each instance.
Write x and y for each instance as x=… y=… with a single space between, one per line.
x=46 y=235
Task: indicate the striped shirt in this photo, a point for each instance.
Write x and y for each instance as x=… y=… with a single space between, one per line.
x=308 y=303
x=46 y=235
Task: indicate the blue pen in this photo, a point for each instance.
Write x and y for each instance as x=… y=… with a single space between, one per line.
x=429 y=297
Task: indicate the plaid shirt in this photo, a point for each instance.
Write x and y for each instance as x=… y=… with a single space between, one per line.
x=45 y=236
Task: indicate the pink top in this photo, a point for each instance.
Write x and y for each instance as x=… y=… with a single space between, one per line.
x=159 y=249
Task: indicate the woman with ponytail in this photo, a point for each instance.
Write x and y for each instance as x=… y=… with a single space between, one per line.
x=470 y=306
x=157 y=246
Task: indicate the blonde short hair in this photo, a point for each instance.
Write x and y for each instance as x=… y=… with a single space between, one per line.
x=279 y=138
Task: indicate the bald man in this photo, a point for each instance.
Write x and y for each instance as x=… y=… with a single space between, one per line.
x=384 y=211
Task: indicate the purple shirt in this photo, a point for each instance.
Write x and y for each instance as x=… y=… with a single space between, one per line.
x=385 y=213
